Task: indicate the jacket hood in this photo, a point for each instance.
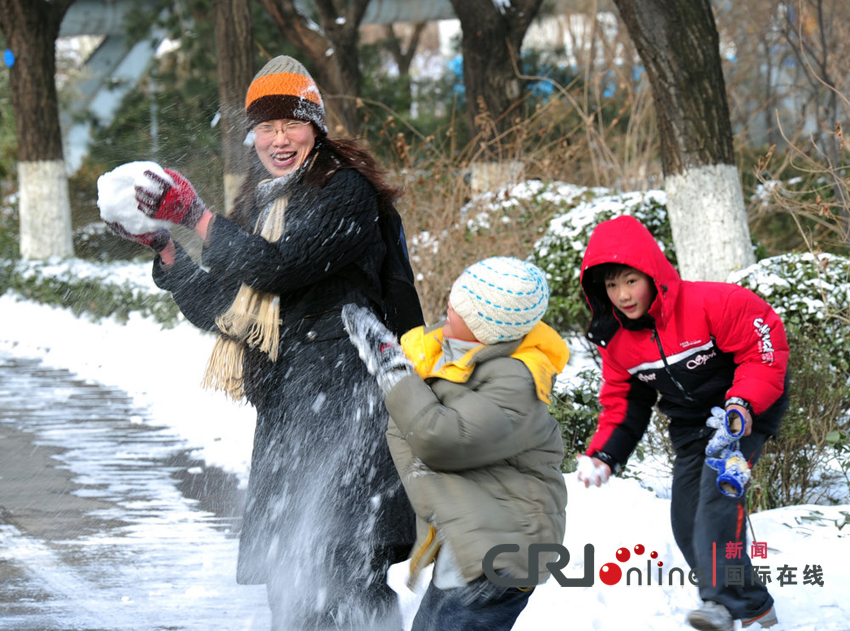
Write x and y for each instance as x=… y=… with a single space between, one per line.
x=542 y=350
x=626 y=241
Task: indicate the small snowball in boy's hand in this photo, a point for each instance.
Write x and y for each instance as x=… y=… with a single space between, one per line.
x=590 y=473
x=116 y=197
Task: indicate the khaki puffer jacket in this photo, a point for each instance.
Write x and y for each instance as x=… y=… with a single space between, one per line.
x=477 y=451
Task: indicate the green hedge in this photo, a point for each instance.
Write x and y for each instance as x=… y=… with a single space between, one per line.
x=95 y=291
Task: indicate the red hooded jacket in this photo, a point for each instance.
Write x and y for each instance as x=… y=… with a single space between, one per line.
x=699 y=344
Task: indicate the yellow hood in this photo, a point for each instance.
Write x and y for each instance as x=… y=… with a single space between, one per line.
x=542 y=350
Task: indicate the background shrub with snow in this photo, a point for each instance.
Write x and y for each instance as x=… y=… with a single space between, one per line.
x=810 y=461
x=93 y=290
x=507 y=221
x=812 y=295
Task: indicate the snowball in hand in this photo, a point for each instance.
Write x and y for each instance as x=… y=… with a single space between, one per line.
x=591 y=473
x=116 y=197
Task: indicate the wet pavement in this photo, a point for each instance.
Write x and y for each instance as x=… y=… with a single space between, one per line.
x=106 y=522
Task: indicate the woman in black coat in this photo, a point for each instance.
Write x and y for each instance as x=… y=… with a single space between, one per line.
x=325 y=513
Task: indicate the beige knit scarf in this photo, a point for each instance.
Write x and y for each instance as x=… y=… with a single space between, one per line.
x=253 y=320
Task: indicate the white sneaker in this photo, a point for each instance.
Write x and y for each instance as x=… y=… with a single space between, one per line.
x=711 y=616
x=767 y=619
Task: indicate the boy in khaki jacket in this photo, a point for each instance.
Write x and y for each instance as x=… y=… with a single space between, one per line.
x=472 y=438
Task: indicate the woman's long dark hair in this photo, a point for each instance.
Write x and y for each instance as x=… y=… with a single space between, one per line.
x=328 y=156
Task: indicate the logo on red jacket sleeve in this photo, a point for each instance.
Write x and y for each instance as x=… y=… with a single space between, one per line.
x=765 y=343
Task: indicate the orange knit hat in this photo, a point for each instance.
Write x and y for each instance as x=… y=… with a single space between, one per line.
x=284 y=89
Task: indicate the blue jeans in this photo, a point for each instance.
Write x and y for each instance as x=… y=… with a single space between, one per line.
x=478 y=606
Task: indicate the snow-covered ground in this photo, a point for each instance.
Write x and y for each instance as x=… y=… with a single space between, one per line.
x=806 y=552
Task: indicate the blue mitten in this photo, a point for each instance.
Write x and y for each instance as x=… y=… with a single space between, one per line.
x=733 y=471
x=728 y=426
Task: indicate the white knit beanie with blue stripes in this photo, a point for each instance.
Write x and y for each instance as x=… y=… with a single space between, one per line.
x=500 y=298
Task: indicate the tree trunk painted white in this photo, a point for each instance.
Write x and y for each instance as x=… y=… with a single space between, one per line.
x=708 y=221
x=678 y=42
x=45 y=210
x=232 y=183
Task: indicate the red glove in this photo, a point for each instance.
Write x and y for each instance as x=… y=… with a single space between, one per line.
x=177 y=203
x=154 y=240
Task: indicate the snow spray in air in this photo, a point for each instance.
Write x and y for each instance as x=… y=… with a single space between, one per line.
x=315 y=497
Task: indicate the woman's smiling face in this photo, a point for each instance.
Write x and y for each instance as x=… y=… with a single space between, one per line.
x=283 y=145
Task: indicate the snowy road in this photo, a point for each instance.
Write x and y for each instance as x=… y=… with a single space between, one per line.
x=106 y=524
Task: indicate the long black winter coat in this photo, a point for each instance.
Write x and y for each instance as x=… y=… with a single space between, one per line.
x=323 y=494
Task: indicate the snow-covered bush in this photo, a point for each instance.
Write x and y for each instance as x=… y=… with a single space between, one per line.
x=93 y=290
x=449 y=228
x=9 y=248
x=560 y=250
x=810 y=461
x=812 y=296
x=514 y=205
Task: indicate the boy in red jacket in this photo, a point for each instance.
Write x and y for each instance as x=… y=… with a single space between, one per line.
x=704 y=348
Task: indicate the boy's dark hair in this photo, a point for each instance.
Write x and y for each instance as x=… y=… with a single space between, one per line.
x=606 y=271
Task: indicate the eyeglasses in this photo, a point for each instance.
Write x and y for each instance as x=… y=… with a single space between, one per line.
x=267 y=131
